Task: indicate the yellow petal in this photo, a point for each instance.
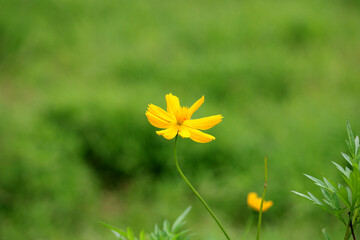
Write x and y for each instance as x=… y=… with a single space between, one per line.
x=173 y=103
x=184 y=132
x=199 y=136
x=170 y=132
x=267 y=205
x=196 y=105
x=204 y=123
x=254 y=202
x=160 y=113
x=156 y=121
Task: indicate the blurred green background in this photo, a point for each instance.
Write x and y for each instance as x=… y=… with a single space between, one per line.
x=75 y=81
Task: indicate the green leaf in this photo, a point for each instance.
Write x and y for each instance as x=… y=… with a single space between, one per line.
x=326 y=194
x=142 y=235
x=130 y=234
x=347 y=158
x=335 y=201
x=345 y=171
x=327 y=237
x=167 y=227
x=171 y=232
x=302 y=195
x=118 y=236
x=317 y=181
x=341 y=192
x=328 y=209
x=183 y=232
x=179 y=222
x=340 y=217
x=351 y=144
x=349 y=194
x=114 y=229
x=347 y=180
x=315 y=200
x=343 y=195
x=357 y=145
x=328 y=202
x=329 y=185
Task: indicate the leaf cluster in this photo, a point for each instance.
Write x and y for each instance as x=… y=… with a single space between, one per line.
x=343 y=201
x=167 y=232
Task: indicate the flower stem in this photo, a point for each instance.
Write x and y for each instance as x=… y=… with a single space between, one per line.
x=196 y=193
x=262 y=201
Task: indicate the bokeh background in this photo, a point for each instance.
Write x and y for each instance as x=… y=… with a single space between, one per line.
x=75 y=81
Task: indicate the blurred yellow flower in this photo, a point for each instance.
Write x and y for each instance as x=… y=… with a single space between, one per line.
x=254 y=202
x=177 y=120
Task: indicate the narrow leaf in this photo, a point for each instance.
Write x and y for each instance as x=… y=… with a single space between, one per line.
x=343 y=171
x=317 y=181
x=326 y=194
x=351 y=138
x=183 y=232
x=167 y=227
x=118 y=236
x=156 y=229
x=347 y=158
x=327 y=237
x=130 y=234
x=357 y=145
x=349 y=194
x=317 y=201
x=335 y=201
x=119 y=231
x=328 y=202
x=142 y=235
x=302 y=195
x=330 y=186
x=178 y=222
x=343 y=195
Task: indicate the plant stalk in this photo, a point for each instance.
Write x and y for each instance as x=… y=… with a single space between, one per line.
x=262 y=201
x=352 y=230
x=196 y=193
x=349 y=227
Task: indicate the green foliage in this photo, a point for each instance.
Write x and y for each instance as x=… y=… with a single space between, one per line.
x=172 y=232
x=124 y=235
x=168 y=232
x=341 y=201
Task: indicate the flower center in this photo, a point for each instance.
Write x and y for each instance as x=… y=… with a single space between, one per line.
x=182 y=114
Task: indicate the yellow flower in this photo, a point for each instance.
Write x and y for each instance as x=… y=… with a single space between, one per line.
x=254 y=202
x=177 y=120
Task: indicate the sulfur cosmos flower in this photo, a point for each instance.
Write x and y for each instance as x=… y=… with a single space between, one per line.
x=177 y=120
x=254 y=202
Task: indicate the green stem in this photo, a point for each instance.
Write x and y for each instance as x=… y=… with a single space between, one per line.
x=349 y=230
x=352 y=230
x=262 y=201
x=197 y=194
x=347 y=233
